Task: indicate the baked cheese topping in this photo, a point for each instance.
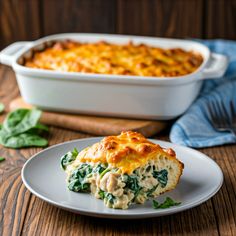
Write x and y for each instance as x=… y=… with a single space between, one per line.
x=127 y=151
x=107 y=58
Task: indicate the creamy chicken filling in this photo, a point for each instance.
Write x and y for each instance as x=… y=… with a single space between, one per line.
x=117 y=190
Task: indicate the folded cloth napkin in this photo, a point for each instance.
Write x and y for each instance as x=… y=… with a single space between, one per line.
x=194 y=128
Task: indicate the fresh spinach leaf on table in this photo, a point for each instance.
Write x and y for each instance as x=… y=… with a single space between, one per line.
x=21 y=128
x=21 y=120
x=25 y=140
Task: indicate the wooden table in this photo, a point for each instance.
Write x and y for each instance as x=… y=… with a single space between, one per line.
x=21 y=213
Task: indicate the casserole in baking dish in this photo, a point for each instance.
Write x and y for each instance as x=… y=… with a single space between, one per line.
x=106 y=58
x=110 y=94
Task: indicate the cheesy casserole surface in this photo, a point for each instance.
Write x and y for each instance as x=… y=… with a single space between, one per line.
x=122 y=170
x=107 y=58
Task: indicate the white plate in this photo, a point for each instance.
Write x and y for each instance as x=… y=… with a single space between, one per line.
x=42 y=175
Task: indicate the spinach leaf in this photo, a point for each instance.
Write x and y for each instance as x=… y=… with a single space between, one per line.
x=101 y=194
x=68 y=158
x=110 y=198
x=104 y=172
x=151 y=191
x=107 y=196
x=75 y=152
x=166 y=204
x=76 y=186
x=77 y=182
x=21 y=129
x=99 y=169
x=21 y=120
x=38 y=129
x=24 y=140
x=2 y=159
x=132 y=183
x=2 y=107
x=161 y=176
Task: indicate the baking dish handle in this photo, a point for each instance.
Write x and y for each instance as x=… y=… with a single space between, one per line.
x=216 y=67
x=8 y=54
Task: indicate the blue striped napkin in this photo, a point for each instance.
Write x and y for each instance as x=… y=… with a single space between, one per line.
x=194 y=128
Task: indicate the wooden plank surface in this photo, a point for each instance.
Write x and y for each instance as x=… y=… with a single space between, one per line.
x=220 y=18
x=162 y=18
x=19 y=20
x=78 y=16
x=21 y=213
x=29 y=20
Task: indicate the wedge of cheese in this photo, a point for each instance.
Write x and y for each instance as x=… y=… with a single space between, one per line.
x=122 y=170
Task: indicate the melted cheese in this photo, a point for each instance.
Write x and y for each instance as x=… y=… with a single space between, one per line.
x=127 y=152
x=106 y=58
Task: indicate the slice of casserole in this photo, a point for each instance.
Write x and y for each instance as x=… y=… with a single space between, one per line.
x=122 y=170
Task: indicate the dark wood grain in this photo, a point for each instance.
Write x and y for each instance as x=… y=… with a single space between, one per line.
x=19 y=20
x=163 y=18
x=220 y=19
x=21 y=213
x=29 y=20
x=78 y=16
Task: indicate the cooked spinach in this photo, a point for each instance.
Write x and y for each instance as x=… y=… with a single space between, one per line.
x=151 y=191
x=99 y=169
x=77 y=182
x=2 y=159
x=77 y=186
x=101 y=194
x=166 y=204
x=68 y=158
x=161 y=176
x=2 y=107
x=21 y=128
x=131 y=182
x=110 y=198
x=107 y=196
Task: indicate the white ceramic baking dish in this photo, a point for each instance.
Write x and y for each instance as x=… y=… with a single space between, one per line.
x=111 y=95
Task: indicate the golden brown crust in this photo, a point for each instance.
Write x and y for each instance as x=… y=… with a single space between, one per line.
x=127 y=151
x=106 y=58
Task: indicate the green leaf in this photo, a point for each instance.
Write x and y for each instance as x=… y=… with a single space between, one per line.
x=166 y=204
x=75 y=152
x=2 y=107
x=110 y=198
x=101 y=194
x=104 y=172
x=2 y=159
x=38 y=129
x=77 y=181
x=24 y=140
x=21 y=120
x=68 y=158
x=21 y=129
x=99 y=169
x=161 y=176
x=152 y=190
x=132 y=183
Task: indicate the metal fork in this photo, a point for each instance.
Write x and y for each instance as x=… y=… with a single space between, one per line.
x=220 y=117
